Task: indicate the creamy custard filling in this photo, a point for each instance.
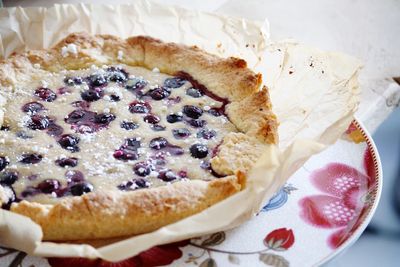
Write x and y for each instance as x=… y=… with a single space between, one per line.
x=106 y=128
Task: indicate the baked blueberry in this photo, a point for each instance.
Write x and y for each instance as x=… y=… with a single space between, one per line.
x=180 y=133
x=159 y=93
x=75 y=116
x=193 y=92
x=192 y=111
x=172 y=118
x=8 y=178
x=32 y=158
x=174 y=82
x=139 y=107
x=199 y=151
x=69 y=142
x=158 y=143
x=129 y=150
x=91 y=95
x=9 y=194
x=71 y=81
x=3 y=163
x=38 y=122
x=23 y=135
x=206 y=134
x=157 y=127
x=81 y=104
x=115 y=98
x=32 y=107
x=216 y=112
x=104 y=118
x=134 y=184
x=81 y=188
x=97 y=80
x=142 y=169
x=54 y=130
x=67 y=162
x=117 y=75
x=151 y=118
x=49 y=186
x=197 y=123
x=74 y=176
x=167 y=176
x=135 y=84
x=45 y=94
x=129 y=125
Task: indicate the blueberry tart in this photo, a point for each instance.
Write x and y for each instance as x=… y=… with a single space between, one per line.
x=103 y=137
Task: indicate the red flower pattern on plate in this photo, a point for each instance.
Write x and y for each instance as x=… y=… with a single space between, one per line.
x=279 y=239
x=342 y=204
x=156 y=256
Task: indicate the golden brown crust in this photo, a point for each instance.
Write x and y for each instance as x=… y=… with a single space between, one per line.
x=112 y=214
x=105 y=214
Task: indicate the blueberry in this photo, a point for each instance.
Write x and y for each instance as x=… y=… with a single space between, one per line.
x=71 y=81
x=134 y=184
x=81 y=188
x=32 y=107
x=206 y=134
x=23 y=135
x=31 y=158
x=54 y=129
x=45 y=94
x=132 y=143
x=121 y=154
x=152 y=119
x=159 y=93
x=157 y=127
x=139 y=107
x=135 y=83
x=104 y=118
x=128 y=151
x=129 y=125
x=117 y=75
x=4 y=128
x=167 y=176
x=3 y=163
x=193 y=92
x=216 y=112
x=174 y=82
x=29 y=191
x=67 y=162
x=197 y=123
x=75 y=116
x=198 y=151
x=91 y=95
x=69 y=142
x=172 y=118
x=81 y=104
x=115 y=98
x=142 y=169
x=8 y=178
x=192 y=111
x=158 y=143
x=96 y=80
x=180 y=133
x=38 y=122
x=49 y=186
x=74 y=177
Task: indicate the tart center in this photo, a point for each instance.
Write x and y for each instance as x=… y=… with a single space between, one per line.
x=107 y=128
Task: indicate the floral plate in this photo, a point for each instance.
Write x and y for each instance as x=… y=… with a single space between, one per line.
x=324 y=208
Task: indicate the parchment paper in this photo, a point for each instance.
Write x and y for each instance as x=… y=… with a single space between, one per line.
x=314 y=94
